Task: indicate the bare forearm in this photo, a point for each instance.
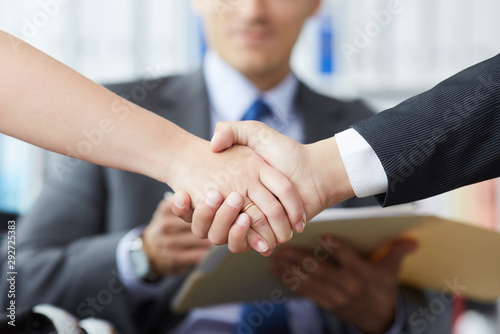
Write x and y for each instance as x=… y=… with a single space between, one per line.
x=49 y=105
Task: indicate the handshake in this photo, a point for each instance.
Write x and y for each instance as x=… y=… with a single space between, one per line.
x=256 y=186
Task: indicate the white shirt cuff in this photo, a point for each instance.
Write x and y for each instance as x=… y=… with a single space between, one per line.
x=131 y=281
x=364 y=169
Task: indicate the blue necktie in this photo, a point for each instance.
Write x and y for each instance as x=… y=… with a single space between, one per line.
x=262 y=317
x=257 y=112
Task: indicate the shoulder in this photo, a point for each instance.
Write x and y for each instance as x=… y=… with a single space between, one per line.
x=134 y=88
x=151 y=93
x=335 y=109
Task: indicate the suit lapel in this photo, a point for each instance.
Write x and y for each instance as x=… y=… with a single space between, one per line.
x=323 y=116
x=316 y=113
x=185 y=103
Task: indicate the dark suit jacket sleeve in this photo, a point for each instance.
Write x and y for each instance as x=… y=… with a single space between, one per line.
x=445 y=138
x=64 y=258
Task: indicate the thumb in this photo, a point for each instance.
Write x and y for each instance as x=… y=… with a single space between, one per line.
x=224 y=136
x=247 y=133
x=398 y=250
x=181 y=206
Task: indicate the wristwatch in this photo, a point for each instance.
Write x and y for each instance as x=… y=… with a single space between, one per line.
x=140 y=261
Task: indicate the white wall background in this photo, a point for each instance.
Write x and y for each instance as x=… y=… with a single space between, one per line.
x=421 y=43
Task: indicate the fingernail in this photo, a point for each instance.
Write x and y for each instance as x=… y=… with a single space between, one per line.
x=242 y=220
x=214 y=138
x=299 y=228
x=262 y=247
x=180 y=203
x=234 y=200
x=212 y=199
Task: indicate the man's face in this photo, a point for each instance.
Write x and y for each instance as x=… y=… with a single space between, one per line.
x=254 y=36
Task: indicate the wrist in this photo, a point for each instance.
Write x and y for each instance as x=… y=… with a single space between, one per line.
x=140 y=261
x=168 y=156
x=329 y=173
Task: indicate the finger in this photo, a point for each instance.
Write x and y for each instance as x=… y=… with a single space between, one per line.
x=174 y=225
x=303 y=283
x=346 y=256
x=182 y=261
x=265 y=205
x=398 y=250
x=242 y=238
x=181 y=206
x=327 y=297
x=296 y=256
x=163 y=207
x=323 y=294
x=289 y=198
x=223 y=137
x=204 y=214
x=248 y=133
x=224 y=219
x=170 y=223
x=239 y=234
x=184 y=240
x=278 y=227
x=320 y=270
x=298 y=275
x=191 y=256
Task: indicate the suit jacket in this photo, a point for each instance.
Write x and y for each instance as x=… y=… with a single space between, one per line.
x=68 y=241
x=443 y=139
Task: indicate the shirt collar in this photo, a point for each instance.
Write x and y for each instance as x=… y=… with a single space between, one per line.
x=231 y=94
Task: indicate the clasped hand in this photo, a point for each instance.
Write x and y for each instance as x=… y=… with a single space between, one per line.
x=288 y=182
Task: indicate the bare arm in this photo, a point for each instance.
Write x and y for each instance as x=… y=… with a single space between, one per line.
x=49 y=105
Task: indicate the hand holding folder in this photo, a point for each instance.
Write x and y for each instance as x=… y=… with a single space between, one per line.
x=452 y=256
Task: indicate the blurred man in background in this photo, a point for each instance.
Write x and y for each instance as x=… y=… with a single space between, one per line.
x=125 y=255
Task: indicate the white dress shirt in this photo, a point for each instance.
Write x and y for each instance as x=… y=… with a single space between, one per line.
x=231 y=94
x=363 y=167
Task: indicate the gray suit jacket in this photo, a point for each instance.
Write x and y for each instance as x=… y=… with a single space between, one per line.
x=67 y=244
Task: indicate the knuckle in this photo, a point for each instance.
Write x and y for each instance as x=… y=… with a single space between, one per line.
x=284 y=238
x=217 y=241
x=216 y=238
x=274 y=210
x=235 y=249
x=198 y=232
x=173 y=260
x=167 y=228
x=254 y=159
x=259 y=221
x=168 y=243
x=286 y=186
